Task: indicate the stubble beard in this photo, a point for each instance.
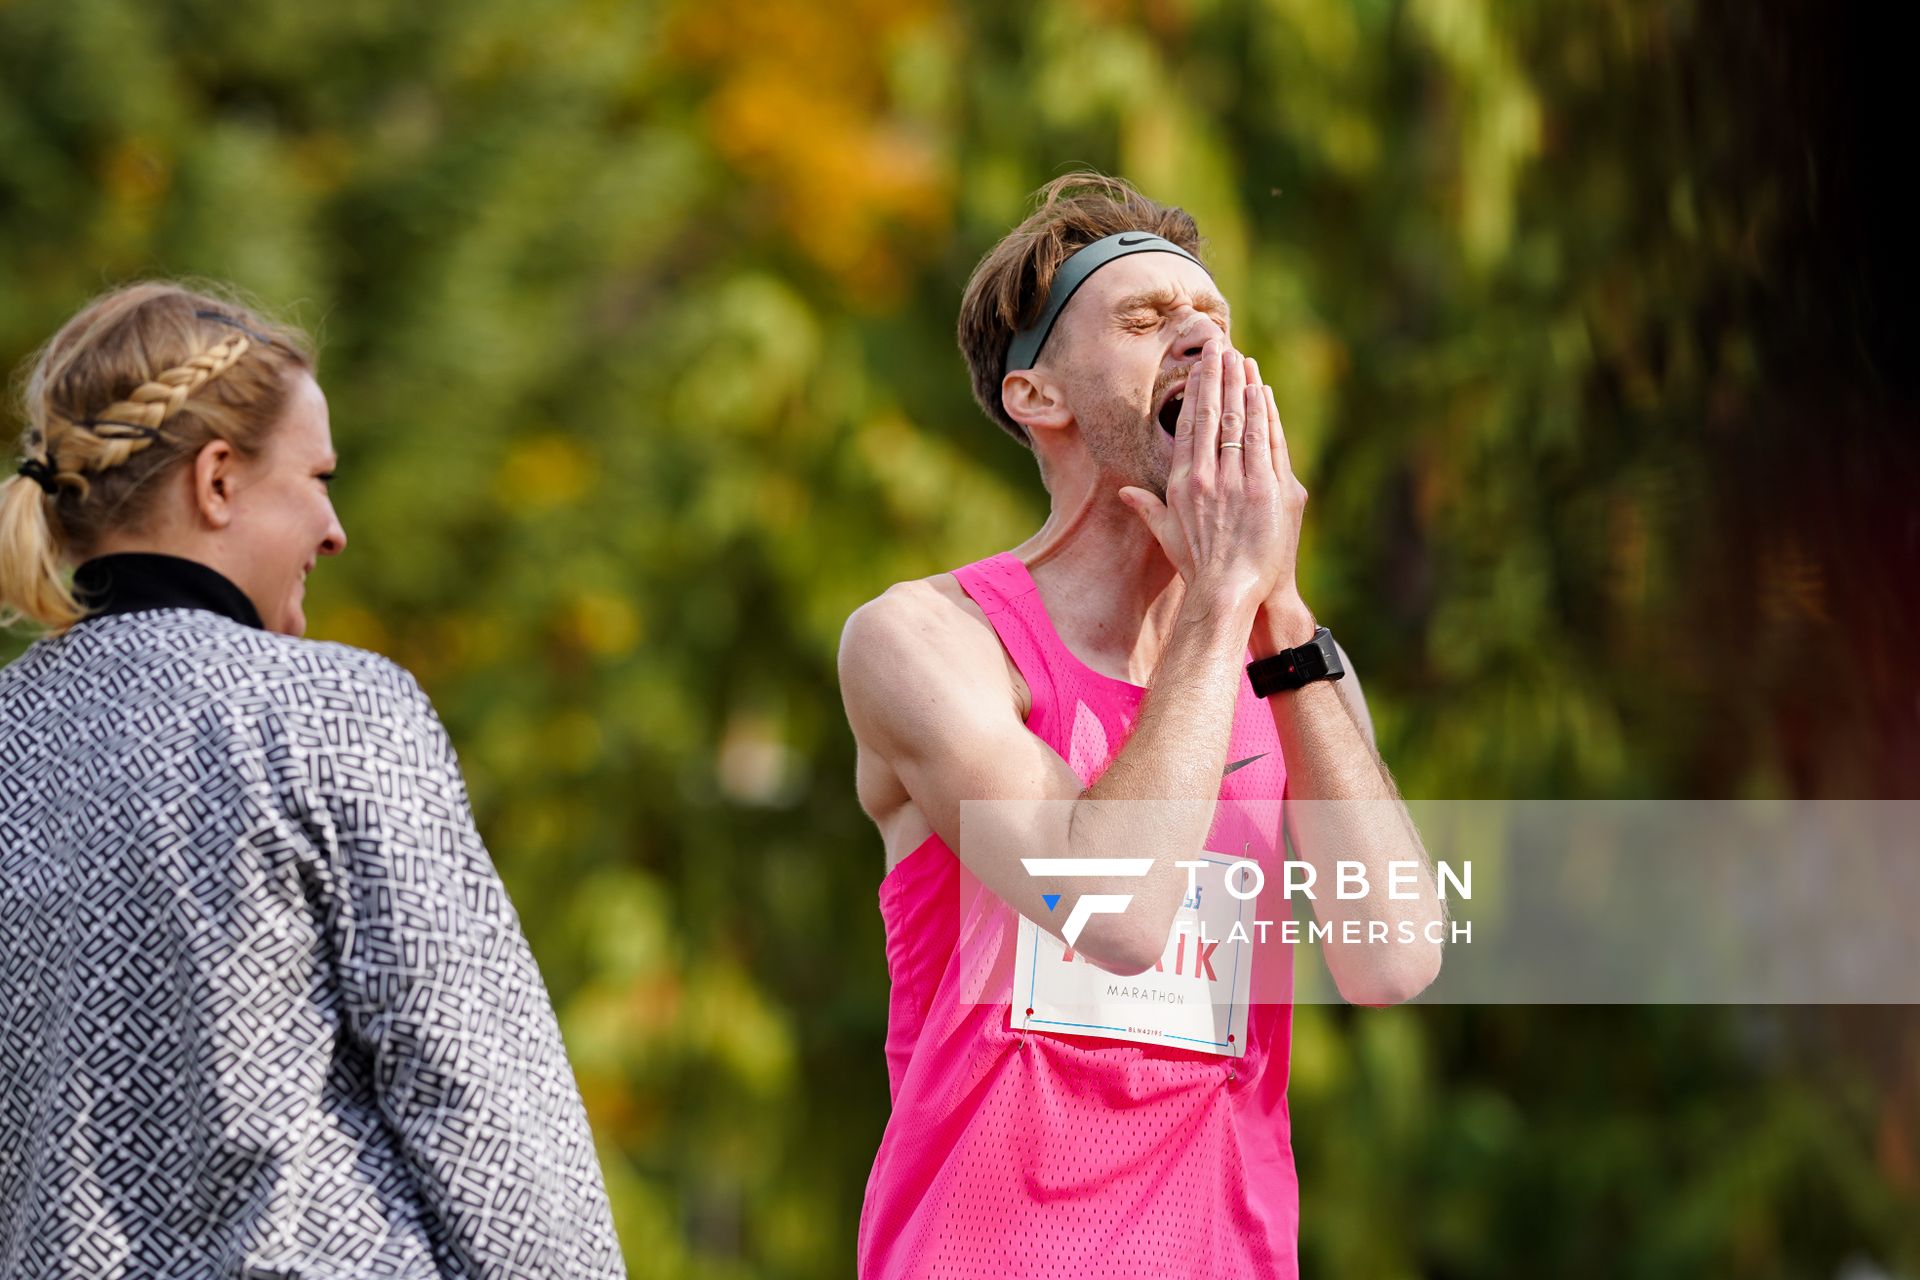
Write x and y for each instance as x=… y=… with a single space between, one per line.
x=1125 y=447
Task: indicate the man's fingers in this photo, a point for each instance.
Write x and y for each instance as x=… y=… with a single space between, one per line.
x=1233 y=415
x=1233 y=396
x=1203 y=404
x=1258 y=459
x=1187 y=424
x=1282 y=462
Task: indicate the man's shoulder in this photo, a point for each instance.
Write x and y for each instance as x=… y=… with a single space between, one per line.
x=909 y=615
x=937 y=599
x=921 y=631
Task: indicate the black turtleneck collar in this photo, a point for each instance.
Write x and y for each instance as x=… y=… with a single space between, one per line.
x=135 y=581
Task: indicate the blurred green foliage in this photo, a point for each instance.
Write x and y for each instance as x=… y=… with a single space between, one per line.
x=636 y=323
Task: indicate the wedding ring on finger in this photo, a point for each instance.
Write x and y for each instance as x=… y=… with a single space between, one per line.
x=1230 y=444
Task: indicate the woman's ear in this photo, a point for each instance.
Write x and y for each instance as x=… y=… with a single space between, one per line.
x=214 y=469
x=1035 y=401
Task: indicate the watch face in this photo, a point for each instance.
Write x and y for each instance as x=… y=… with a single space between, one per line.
x=1329 y=655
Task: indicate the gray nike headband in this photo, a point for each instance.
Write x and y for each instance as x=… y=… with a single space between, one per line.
x=1026 y=345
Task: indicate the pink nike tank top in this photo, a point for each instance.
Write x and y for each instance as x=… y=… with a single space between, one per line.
x=1012 y=1155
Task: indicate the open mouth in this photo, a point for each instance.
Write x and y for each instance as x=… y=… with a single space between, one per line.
x=1169 y=414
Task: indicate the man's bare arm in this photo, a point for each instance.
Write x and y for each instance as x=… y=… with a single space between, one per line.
x=926 y=691
x=1342 y=804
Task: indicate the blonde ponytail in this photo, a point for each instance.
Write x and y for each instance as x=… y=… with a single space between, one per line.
x=32 y=586
x=130 y=388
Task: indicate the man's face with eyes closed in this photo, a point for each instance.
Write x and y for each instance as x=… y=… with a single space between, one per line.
x=1121 y=352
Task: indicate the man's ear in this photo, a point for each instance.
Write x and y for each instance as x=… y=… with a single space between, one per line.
x=214 y=472
x=1035 y=401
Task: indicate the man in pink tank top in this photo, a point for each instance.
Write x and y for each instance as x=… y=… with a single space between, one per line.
x=1139 y=677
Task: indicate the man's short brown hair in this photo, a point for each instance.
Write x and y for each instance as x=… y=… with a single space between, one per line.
x=1010 y=286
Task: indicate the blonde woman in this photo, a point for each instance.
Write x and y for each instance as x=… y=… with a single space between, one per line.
x=265 y=1009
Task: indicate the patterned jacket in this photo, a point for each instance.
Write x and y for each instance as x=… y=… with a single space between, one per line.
x=265 y=1009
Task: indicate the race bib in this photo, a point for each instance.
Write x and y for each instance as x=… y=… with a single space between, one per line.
x=1195 y=998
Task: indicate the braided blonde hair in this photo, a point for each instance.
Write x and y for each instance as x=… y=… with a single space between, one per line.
x=132 y=387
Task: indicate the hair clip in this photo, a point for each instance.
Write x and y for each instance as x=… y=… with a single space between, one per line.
x=231 y=323
x=127 y=431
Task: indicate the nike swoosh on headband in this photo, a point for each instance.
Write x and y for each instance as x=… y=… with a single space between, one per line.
x=1026 y=345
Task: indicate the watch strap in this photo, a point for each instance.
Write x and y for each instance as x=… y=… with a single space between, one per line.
x=1317 y=659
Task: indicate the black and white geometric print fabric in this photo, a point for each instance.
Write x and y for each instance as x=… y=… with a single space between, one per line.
x=265 y=1009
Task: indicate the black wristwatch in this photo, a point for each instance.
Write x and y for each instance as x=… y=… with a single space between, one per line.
x=1317 y=659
